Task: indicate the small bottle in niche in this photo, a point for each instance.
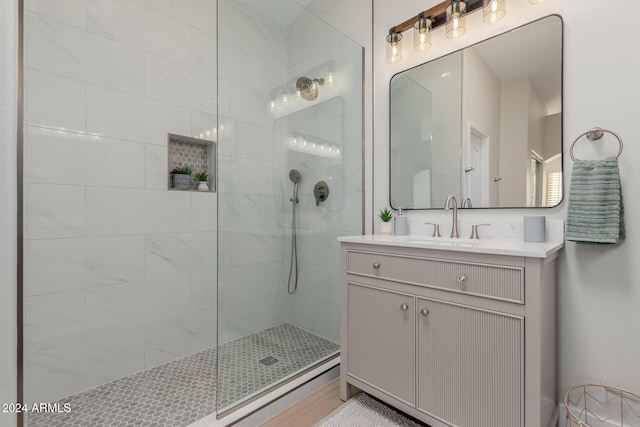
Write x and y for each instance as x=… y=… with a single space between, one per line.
x=400 y=224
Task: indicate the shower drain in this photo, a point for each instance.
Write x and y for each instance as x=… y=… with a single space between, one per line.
x=268 y=361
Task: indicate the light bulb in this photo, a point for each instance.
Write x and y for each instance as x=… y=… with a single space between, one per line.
x=456 y=22
x=493 y=10
x=421 y=33
x=394 y=47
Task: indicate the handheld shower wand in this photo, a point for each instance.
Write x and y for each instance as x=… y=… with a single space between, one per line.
x=294 y=176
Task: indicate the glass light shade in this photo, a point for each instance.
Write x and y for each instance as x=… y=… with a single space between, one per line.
x=456 y=20
x=422 y=34
x=394 y=47
x=493 y=10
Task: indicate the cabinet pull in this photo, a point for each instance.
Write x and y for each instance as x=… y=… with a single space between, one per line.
x=462 y=279
x=424 y=312
x=404 y=307
x=376 y=265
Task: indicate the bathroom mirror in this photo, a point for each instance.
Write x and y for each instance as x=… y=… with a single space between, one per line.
x=483 y=123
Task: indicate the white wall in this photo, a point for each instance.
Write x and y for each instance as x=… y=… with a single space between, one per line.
x=8 y=207
x=120 y=273
x=599 y=290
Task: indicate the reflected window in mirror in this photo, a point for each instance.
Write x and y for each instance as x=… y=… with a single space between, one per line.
x=467 y=124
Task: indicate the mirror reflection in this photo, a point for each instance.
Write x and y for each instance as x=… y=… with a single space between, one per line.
x=483 y=124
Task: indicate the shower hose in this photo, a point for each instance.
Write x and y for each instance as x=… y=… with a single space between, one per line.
x=294 y=253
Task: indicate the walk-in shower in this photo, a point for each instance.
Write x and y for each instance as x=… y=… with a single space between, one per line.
x=177 y=302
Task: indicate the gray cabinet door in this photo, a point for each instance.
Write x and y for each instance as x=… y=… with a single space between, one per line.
x=381 y=331
x=470 y=365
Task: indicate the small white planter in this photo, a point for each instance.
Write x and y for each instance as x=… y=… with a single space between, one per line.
x=386 y=227
x=203 y=186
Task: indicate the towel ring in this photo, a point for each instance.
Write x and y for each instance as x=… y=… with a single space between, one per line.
x=595 y=134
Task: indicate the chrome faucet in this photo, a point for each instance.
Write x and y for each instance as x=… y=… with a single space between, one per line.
x=466 y=203
x=447 y=206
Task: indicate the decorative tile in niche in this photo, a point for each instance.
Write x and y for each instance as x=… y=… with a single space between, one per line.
x=199 y=154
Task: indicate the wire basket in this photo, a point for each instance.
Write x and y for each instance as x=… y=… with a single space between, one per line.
x=599 y=405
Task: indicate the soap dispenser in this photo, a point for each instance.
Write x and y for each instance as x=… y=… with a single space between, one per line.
x=400 y=224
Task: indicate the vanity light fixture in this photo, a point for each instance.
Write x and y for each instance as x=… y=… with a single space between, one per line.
x=449 y=13
x=422 y=33
x=394 y=46
x=456 y=21
x=493 y=10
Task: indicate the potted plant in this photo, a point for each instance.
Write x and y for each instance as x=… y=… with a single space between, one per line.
x=203 y=183
x=386 y=216
x=181 y=177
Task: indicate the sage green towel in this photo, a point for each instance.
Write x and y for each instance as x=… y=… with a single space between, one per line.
x=596 y=210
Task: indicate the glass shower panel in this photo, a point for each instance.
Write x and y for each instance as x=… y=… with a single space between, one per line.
x=290 y=120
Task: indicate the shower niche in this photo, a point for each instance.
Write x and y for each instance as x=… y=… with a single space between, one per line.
x=193 y=156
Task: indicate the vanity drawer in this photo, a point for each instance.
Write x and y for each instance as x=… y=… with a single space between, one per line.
x=499 y=282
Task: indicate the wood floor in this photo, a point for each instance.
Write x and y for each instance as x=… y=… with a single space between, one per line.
x=310 y=410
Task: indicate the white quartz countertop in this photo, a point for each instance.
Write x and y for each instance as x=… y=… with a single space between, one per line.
x=483 y=246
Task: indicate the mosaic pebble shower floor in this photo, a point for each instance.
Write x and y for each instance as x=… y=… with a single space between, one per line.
x=184 y=391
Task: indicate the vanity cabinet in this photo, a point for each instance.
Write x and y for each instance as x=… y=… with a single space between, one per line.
x=451 y=338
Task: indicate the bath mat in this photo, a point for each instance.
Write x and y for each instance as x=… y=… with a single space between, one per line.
x=365 y=411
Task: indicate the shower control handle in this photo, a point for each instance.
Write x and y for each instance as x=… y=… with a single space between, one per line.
x=321 y=192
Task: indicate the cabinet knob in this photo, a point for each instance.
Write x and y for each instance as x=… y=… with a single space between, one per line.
x=424 y=312
x=376 y=265
x=462 y=279
x=404 y=307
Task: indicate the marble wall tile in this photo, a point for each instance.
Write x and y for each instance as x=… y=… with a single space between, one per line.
x=204 y=51
x=120 y=20
x=95 y=160
x=204 y=291
x=115 y=211
x=239 y=211
x=65 y=370
x=73 y=12
x=167 y=211
x=204 y=125
x=300 y=312
x=176 y=83
x=55 y=102
x=204 y=211
x=125 y=163
x=179 y=337
x=54 y=211
x=131 y=305
x=180 y=254
x=120 y=115
x=47 y=158
x=326 y=321
x=57 y=265
x=226 y=134
x=259 y=246
x=54 y=320
x=198 y=13
x=67 y=51
x=244 y=176
x=156 y=174
x=239 y=284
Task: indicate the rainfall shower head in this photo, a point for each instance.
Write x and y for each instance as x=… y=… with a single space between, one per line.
x=308 y=88
x=295 y=176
